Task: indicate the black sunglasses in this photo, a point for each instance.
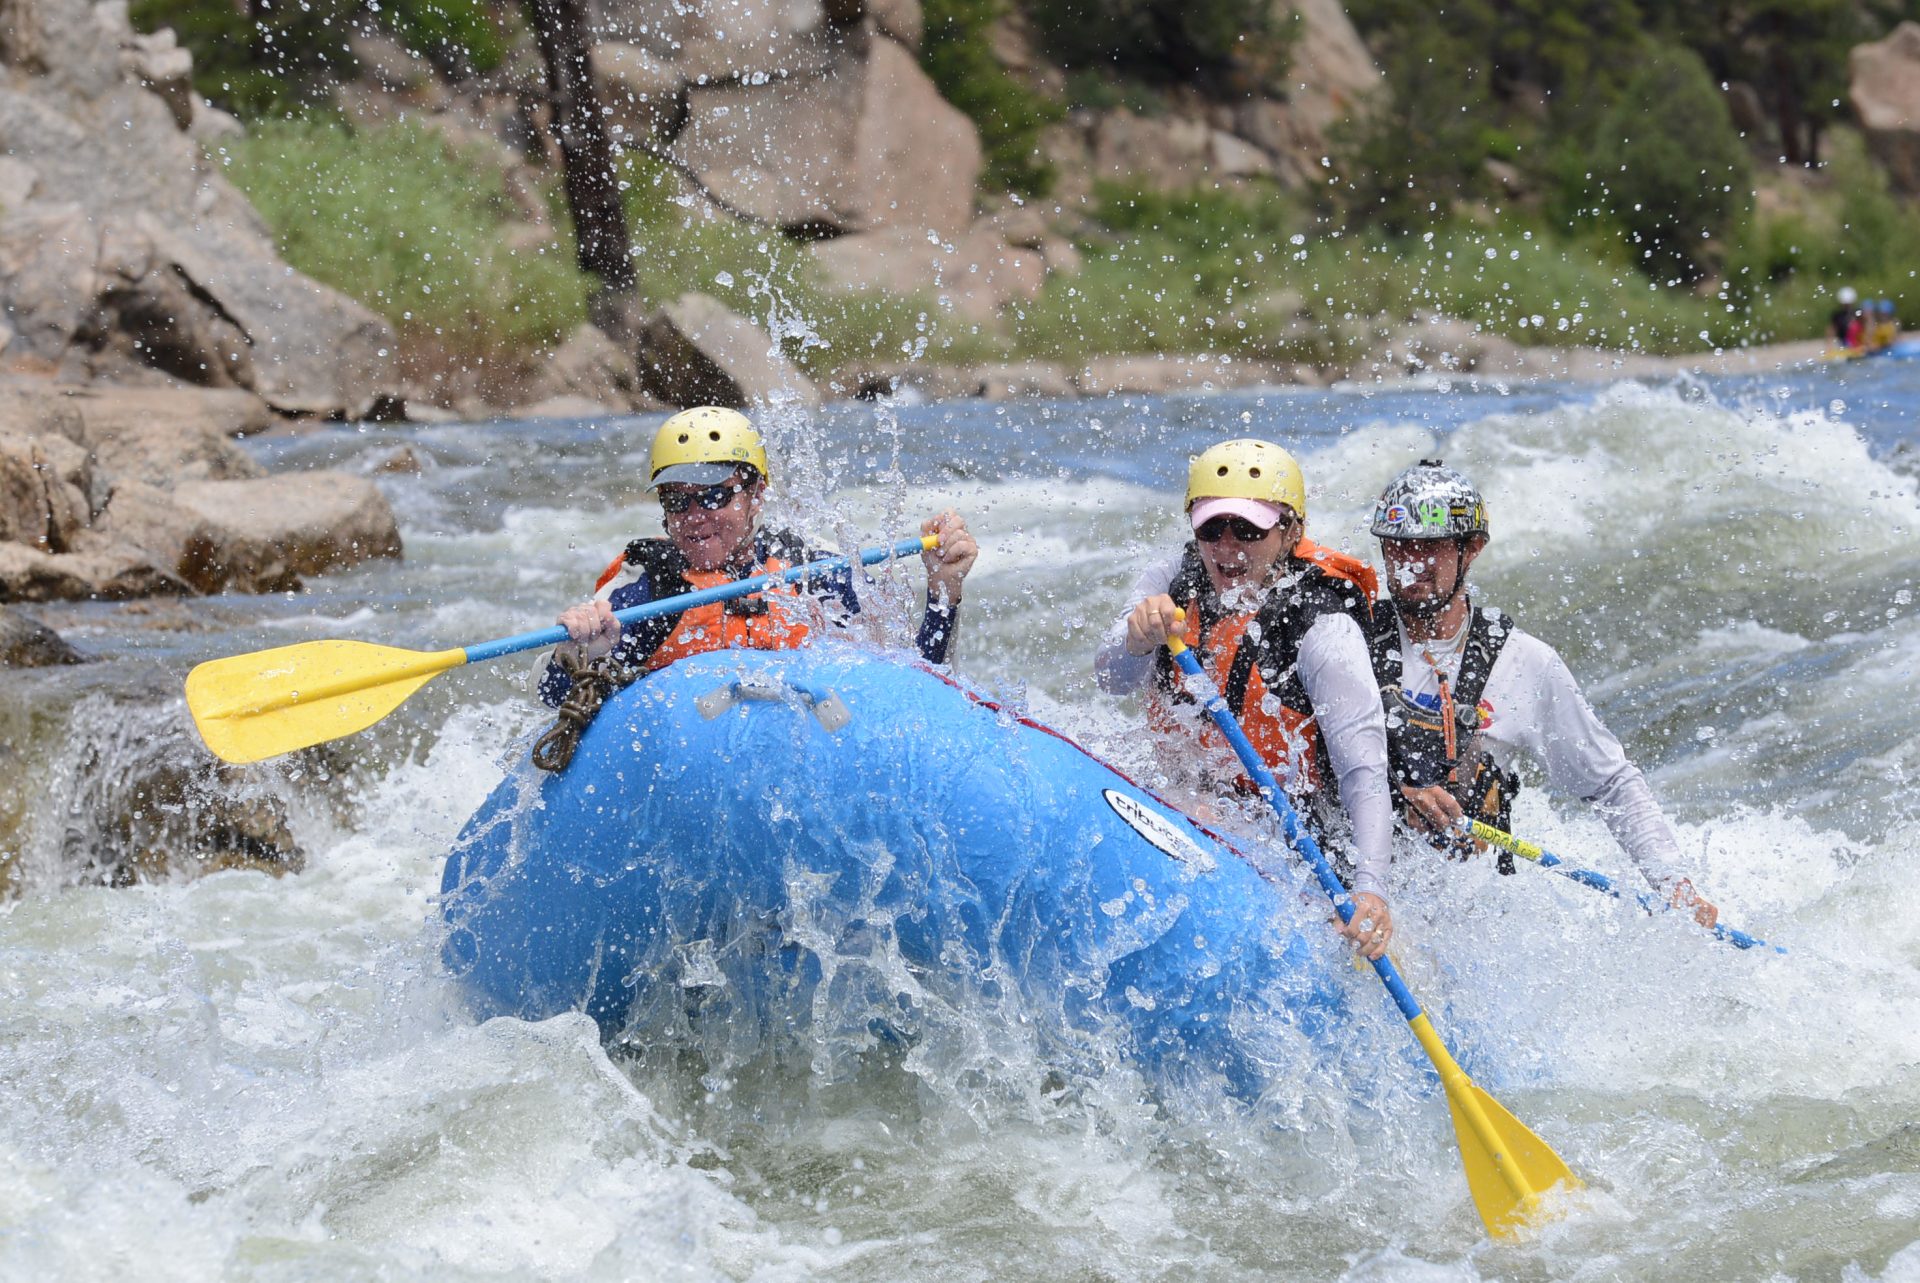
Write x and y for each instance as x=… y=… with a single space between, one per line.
x=1242 y=530
x=712 y=498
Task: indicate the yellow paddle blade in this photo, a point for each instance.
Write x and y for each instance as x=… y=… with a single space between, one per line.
x=1504 y=1202
x=269 y=702
x=1508 y=1167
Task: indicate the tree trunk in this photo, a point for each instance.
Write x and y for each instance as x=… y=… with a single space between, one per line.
x=593 y=191
x=1786 y=97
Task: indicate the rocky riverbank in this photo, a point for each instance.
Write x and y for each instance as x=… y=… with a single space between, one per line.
x=1422 y=349
x=113 y=493
x=148 y=319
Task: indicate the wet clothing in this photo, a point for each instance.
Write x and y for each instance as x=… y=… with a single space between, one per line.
x=781 y=618
x=1253 y=657
x=1293 y=657
x=1531 y=705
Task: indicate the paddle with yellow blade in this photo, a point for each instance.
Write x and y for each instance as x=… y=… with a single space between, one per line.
x=269 y=702
x=1508 y=1167
x=1588 y=878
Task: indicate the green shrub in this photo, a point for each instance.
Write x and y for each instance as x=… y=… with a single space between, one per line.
x=1173 y=273
x=1418 y=153
x=1104 y=91
x=284 y=60
x=285 y=56
x=1668 y=168
x=1263 y=278
x=1226 y=44
x=411 y=227
x=1010 y=116
x=460 y=37
x=1854 y=232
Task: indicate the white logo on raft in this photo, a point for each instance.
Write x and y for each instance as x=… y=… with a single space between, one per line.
x=1156 y=828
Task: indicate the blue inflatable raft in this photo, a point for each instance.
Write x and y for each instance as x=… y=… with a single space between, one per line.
x=765 y=843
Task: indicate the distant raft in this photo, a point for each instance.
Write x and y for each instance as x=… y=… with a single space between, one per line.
x=1901 y=349
x=824 y=843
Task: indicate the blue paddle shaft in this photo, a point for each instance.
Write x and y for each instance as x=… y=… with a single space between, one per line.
x=687 y=601
x=1601 y=882
x=1297 y=835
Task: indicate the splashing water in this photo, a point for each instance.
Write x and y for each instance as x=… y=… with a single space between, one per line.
x=253 y=1077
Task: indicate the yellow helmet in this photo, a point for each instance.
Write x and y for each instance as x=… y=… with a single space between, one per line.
x=1248 y=469
x=703 y=446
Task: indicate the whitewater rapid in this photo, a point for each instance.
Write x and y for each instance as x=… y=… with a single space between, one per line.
x=242 y=1077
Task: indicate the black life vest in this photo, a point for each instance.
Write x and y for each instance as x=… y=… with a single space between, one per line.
x=1417 y=738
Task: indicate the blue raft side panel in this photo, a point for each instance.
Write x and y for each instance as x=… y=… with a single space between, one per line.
x=983 y=859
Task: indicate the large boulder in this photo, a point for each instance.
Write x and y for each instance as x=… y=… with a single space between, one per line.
x=86 y=503
x=973 y=276
x=262 y=535
x=590 y=368
x=98 y=299
x=713 y=41
x=1269 y=125
x=695 y=351
x=157 y=435
x=867 y=143
x=144 y=516
x=175 y=813
x=1330 y=74
x=1884 y=87
x=644 y=96
x=142 y=799
x=903 y=20
x=159 y=63
x=130 y=224
x=99 y=571
x=43 y=492
x=117 y=493
x=25 y=642
x=1167 y=153
x=1176 y=152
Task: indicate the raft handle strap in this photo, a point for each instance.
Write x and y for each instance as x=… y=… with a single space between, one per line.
x=827 y=707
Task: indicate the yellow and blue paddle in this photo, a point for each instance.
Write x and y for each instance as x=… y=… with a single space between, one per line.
x=259 y=705
x=1588 y=878
x=1508 y=1167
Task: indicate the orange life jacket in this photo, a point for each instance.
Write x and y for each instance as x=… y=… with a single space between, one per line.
x=1253 y=657
x=774 y=619
x=771 y=620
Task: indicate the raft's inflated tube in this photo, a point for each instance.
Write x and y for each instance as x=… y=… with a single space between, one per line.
x=742 y=824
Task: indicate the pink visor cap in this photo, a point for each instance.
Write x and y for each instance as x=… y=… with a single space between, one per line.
x=1261 y=513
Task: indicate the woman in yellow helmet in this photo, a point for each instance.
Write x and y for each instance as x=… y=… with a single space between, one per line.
x=1275 y=620
x=709 y=467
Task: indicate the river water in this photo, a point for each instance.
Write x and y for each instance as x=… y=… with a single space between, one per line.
x=236 y=1076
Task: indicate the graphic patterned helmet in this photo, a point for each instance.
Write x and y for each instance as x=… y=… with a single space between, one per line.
x=703 y=446
x=1429 y=501
x=1247 y=469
